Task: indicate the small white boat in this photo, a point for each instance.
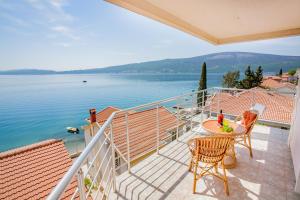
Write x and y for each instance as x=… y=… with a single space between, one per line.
x=72 y=130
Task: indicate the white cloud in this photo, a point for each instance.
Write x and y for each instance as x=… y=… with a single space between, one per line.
x=46 y=16
x=61 y=29
x=65 y=31
x=57 y=3
x=63 y=44
x=13 y=19
x=52 y=10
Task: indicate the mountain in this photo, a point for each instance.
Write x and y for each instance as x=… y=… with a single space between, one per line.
x=217 y=62
x=27 y=72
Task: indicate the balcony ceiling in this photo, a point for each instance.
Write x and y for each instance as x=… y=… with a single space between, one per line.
x=224 y=21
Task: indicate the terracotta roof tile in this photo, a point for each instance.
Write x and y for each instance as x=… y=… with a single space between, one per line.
x=142 y=129
x=277 y=107
x=31 y=172
x=104 y=114
x=277 y=78
x=272 y=84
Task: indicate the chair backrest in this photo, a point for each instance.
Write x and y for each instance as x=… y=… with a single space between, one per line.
x=211 y=149
x=249 y=119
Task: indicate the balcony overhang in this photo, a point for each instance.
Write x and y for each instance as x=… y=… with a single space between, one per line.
x=222 y=22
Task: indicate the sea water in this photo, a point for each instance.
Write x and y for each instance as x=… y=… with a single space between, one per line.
x=39 y=107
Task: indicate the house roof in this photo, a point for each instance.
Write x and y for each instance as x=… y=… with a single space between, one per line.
x=278 y=107
x=241 y=20
x=142 y=128
x=104 y=114
x=278 y=78
x=31 y=172
x=270 y=83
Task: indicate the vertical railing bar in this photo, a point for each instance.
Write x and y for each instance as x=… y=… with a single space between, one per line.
x=102 y=180
x=192 y=111
x=253 y=96
x=80 y=181
x=211 y=102
x=109 y=188
x=99 y=169
x=157 y=128
x=109 y=184
x=128 y=144
x=218 y=102
x=102 y=145
x=113 y=157
x=177 y=121
x=202 y=106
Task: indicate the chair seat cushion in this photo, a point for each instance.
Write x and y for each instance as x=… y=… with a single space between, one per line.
x=248 y=118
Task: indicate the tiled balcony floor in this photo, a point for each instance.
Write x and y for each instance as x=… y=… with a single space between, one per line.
x=269 y=175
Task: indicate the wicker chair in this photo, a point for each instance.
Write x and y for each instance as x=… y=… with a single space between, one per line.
x=245 y=139
x=210 y=151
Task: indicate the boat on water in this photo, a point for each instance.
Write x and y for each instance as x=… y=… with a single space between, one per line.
x=72 y=130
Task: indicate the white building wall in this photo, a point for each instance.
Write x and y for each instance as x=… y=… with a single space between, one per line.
x=89 y=132
x=286 y=90
x=294 y=139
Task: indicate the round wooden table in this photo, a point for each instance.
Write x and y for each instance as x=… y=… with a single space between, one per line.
x=211 y=126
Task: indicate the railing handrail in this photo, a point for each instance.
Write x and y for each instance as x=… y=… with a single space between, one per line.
x=161 y=101
x=65 y=181
x=73 y=170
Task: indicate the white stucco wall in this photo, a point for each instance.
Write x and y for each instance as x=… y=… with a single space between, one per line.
x=294 y=139
x=89 y=132
x=286 y=90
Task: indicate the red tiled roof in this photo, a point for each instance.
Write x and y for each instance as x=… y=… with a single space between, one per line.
x=277 y=107
x=104 y=114
x=142 y=130
x=31 y=172
x=270 y=83
x=277 y=78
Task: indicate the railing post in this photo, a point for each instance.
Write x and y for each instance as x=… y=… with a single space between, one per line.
x=219 y=94
x=113 y=157
x=177 y=121
x=80 y=180
x=128 y=144
x=192 y=111
x=253 y=96
x=202 y=106
x=157 y=128
x=211 y=102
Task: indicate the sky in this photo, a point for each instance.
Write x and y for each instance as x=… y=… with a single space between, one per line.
x=76 y=34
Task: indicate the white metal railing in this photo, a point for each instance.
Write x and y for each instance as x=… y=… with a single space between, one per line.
x=167 y=119
x=75 y=169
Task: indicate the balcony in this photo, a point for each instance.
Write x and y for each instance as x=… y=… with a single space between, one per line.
x=269 y=175
x=141 y=152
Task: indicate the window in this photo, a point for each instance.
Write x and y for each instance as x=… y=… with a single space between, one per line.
x=117 y=160
x=173 y=133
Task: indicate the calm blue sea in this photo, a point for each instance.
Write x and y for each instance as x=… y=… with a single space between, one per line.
x=39 y=107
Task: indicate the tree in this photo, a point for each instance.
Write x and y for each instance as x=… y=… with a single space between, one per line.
x=231 y=79
x=252 y=79
x=280 y=72
x=292 y=72
x=202 y=86
x=248 y=81
x=258 y=76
